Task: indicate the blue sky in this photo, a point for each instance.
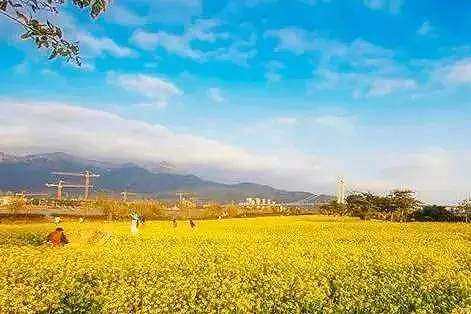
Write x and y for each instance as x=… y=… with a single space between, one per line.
x=287 y=93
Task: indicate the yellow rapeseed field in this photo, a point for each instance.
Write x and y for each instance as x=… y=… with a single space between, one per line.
x=303 y=264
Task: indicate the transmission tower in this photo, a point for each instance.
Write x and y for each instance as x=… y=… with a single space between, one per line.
x=341 y=191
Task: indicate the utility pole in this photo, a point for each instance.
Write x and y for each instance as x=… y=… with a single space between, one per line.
x=87 y=175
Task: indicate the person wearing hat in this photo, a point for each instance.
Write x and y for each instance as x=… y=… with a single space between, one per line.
x=57 y=238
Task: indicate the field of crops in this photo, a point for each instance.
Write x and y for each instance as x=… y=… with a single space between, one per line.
x=305 y=264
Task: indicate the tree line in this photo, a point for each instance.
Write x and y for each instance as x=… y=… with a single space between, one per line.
x=398 y=205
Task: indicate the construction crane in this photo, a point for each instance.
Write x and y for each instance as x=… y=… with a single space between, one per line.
x=182 y=194
x=87 y=175
x=125 y=195
x=61 y=185
x=183 y=201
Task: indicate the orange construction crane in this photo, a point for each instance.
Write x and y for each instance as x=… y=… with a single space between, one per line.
x=87 y=175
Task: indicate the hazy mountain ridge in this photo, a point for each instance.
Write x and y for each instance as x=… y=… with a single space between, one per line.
x=31 y=172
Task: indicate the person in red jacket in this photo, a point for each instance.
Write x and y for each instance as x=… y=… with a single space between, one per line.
x=57 y=237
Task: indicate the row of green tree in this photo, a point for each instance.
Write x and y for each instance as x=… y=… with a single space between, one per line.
x=398 y=205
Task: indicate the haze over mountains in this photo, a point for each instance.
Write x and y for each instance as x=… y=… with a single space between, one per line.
x=30 y=173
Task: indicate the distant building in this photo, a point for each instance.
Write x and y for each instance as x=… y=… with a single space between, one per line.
x=257 y=202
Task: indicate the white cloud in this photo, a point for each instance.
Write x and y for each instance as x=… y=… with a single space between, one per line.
x=292 y=39
x=446 y=72
x=358 y=52
x=271 y=73
x=122 y=15
x=156 y=89
x=391 y=6
x=288 y=121
x=203 y=30
x=99 y=46
x=425 y=171
x=458 y=72
x=169 y=11
x=87 y=66
x=372 y=69
x=341 y=124
x=76 y=129
x=239 y=51
x=27 y=128
x=215 y=94
x=49 y=72
x=179 y=45
x=271 y=76
x=21 y=68
x=382 y=87
x=361 y=84
x=91 y=46
x=425 y=28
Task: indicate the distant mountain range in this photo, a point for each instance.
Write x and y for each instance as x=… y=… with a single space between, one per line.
x=30 y=173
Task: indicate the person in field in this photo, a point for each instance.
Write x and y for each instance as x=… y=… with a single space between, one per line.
x=57 y=220
x=174 y=221
x=142 y=220
x=57 y=238
x=192 y=223
x=134 y=223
